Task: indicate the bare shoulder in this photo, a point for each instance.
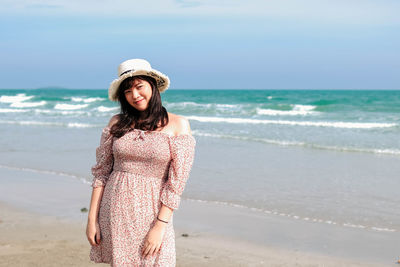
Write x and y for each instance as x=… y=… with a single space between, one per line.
x=180 y=124
x=114 y=119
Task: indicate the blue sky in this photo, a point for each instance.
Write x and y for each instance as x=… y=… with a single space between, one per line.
x=285 y=44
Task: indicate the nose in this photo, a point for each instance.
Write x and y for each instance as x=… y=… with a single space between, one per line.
x=135 y=94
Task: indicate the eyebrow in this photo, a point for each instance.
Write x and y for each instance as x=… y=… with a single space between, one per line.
x=134 y=85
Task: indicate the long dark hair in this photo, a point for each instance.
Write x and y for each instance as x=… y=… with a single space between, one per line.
x=128 y=116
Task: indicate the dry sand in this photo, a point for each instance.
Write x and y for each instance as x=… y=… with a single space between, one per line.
x=29 y=239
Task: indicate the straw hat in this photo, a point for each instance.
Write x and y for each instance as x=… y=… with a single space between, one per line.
x=135 y=67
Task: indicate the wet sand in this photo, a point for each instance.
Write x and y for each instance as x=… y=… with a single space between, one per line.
x=41 y=225
x=27 y=239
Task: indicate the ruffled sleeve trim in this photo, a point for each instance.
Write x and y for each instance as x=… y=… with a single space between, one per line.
x=104 y=159
x=182 y=149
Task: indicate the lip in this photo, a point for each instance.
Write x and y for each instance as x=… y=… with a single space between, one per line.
x=139 y=101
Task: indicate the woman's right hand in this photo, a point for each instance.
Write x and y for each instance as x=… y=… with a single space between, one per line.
x=92 y=231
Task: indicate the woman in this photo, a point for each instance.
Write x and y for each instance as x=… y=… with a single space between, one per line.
x=142 y=165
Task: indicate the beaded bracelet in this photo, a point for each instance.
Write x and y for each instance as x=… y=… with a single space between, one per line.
x=161 y=220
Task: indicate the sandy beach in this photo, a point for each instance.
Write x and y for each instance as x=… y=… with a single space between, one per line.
x=27 y=239
x=33 y=231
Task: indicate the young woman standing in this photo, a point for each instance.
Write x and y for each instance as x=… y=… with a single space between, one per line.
x=142 y=165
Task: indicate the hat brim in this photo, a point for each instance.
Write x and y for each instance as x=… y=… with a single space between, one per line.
x=161 y=79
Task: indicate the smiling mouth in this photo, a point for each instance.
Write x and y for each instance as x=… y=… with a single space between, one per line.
x=138 y=101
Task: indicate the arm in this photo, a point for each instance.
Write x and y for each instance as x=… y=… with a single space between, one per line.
x=93 y=228
x=182 y=148
x=166 y=212
x=100 y=171
x=97 y=194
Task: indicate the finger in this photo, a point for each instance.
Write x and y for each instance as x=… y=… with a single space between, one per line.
x=154 y=250
x=145 y=247
x=150 y=251
x=146 y=251
x=157 y=249
x=147 y=255
x=98 y=238
x=91 y=241
x=95 y=240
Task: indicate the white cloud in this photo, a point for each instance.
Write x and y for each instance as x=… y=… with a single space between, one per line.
x=338 y=11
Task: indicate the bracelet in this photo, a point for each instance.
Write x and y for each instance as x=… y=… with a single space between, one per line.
x=161 y=220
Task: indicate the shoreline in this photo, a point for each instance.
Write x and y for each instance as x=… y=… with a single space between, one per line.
x=29 y=239
x=218 y=235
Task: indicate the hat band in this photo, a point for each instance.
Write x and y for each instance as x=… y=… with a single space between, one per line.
x=126 y=72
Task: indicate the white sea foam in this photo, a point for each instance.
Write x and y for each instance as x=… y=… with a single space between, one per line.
x=380 y=229
x=339 y=124
x=185 y=104
x=69 y=106
x=106 y=109
x=303 y=107
x=225 y=106
x=10 y=110
x=57 y=124
x=45 y=111
x=86 y=100
x=296 y=217
x=76 y=99
x=28 y=104
x=93 y=99
x=201 y=105
x=14 y=98
x=79 y=125
x=356 y=149
x=82 y=179
x=301 y=144
x=295 y=111
x=245 y=138
x=62 y=112
x=20 y=122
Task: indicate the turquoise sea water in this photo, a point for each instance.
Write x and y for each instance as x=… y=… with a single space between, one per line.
x=365 y=121
x=322 y=156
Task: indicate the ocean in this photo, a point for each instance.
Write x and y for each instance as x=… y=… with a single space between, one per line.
x=327 y=156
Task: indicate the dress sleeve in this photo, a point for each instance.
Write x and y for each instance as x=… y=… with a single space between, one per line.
x=104 y=159
x=182 y=149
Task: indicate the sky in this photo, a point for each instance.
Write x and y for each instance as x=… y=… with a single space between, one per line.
x=203 y=44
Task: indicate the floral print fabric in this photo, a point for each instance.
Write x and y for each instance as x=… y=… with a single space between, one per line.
x=139 y=171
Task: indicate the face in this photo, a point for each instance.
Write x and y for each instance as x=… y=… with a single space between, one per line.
x=138 y=96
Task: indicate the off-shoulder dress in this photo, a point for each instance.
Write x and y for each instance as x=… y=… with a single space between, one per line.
x=139 y=171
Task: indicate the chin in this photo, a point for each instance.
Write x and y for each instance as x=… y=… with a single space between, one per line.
x=141 y=108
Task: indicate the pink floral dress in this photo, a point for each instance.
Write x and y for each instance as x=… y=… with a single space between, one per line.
x=139 y=171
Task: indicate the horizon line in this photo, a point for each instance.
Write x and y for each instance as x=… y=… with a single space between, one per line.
x=342 y=89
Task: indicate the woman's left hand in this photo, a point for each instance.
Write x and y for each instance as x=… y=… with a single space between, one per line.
x=154 y=239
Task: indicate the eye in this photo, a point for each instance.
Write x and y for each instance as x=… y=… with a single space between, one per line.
x=127 y=91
